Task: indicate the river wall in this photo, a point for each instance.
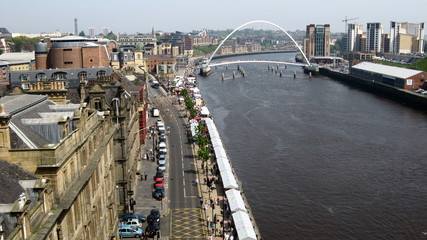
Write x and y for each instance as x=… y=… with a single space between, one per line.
x=402 y=96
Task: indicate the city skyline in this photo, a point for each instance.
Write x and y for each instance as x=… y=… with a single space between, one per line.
x=195 y=15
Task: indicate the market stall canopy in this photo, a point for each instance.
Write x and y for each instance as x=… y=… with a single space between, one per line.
x=245 y=229
x=223 y=164
x=235 y=200
x=204 y=111
x=228 y=180
x=220 y=152
x=216 y=142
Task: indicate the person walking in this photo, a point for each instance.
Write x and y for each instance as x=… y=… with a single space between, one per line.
x=145 y=177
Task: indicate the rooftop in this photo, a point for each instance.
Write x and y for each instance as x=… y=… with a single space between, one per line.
x=397 y=72
x=17 y=56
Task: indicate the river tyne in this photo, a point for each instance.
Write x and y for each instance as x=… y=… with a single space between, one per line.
x=318 y=159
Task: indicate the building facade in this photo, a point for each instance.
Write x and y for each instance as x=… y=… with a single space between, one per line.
x=73 y=52
x=353 y=32
x=317 y=41
x=374 y=32
x=406 y=37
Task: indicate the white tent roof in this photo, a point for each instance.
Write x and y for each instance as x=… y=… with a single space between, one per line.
x=220 y=152
x=204 y=111
x=228 y=180
x=235 y=200
x=223 y=164
x=216 y=142
x=245 y=229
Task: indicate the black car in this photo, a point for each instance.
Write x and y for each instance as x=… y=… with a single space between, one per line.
x=154 y=216
x=159 y=193
x=127 y=216
x=159 y=174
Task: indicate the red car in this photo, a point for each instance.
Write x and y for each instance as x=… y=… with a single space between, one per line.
x=159 y=182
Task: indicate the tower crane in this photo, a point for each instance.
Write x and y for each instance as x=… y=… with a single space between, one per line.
x=346 y=25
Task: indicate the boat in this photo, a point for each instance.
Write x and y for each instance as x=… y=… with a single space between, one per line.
x=299 y=58
x=205 y=70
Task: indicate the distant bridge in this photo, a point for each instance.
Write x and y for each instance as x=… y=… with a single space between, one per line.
x=264 y=61
x=255 y=61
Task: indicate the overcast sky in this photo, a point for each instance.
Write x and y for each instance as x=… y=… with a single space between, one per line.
x=130 y=16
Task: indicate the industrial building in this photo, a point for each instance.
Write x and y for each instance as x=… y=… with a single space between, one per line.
x=399 y=77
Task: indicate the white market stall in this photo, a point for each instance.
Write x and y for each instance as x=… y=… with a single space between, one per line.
x=228 y=180
x=245 y=229
x=235 y=200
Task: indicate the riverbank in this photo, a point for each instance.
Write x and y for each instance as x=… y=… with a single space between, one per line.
x=402 y=96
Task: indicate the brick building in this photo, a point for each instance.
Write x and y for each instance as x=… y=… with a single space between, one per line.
x=73 y=52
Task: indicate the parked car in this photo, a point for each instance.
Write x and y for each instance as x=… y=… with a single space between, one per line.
x=128 y=216
x=161 y=167
x=130 y=231
x=162 y=129
x=159 y=192
x=133 y=222
x=154 y=216
x=159 y=174
x=158 y=182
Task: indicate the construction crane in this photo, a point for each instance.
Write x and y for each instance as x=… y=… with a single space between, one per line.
x=346 y=32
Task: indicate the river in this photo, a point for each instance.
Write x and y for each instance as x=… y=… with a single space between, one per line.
x=318 y=159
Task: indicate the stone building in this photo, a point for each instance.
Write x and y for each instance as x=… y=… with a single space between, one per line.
x=87 y=152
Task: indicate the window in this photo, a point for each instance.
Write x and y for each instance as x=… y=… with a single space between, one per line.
x=40 y=76
x=82 y=75
x=24 y=78
x=67 y=49
x=59 y=76
x=100 y=73
x=68 y=62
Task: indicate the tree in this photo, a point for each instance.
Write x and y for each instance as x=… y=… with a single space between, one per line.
x=82 y=34
x=111 y=36
x=23 y=43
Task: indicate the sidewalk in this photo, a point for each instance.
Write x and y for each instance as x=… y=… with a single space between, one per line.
x=212 y=200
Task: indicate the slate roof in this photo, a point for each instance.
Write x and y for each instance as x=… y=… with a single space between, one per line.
x=10 y=175
x=31 y=124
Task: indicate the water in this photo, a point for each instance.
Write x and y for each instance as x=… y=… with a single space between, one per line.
x=321 y=160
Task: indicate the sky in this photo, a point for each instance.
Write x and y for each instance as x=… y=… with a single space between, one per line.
x=127 y=16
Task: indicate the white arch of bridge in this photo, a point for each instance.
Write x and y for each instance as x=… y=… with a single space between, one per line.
x=259 y=21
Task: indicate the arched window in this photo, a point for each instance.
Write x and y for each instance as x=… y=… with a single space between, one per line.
x=100 y=73
x=40 y=76
x=59 y=76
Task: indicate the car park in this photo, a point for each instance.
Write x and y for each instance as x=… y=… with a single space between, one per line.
x=128 y=216
x=159 y=192
x=130 y=231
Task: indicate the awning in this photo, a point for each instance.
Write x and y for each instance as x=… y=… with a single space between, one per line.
x=216 y=142
x=204 y=111
x=228 y=180
x=220 y=152
x=244 y=227
x=223 y=164
x=235 y=200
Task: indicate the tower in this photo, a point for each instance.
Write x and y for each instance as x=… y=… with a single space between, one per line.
x=76 y=30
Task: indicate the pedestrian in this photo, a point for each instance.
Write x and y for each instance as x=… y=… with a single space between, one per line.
x=201 y=201
x=145 y=176
x=197 y=181
x=211 y=200
x=142 y=177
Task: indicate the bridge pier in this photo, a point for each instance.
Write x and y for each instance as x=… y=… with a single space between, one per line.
x=295 y=74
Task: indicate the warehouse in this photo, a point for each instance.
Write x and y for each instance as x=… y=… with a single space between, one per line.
x=395 y=76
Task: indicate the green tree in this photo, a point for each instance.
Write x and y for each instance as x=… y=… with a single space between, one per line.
x=82 y=34
x=23 y=43
x=204 y=154
x=111 y=36
x=184 y=92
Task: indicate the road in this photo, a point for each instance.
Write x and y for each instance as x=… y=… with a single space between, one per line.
x=183 y=220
